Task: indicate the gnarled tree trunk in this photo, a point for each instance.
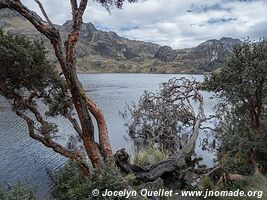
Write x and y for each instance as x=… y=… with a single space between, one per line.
x=66 y=56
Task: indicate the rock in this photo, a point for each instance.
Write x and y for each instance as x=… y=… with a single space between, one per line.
x=165 y=53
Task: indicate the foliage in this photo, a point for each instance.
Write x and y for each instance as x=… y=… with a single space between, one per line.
x=241 y=86
x=70 y=184
x=258 y=182
x=35 y=90
x=242 y=82
x=117 y=3
x=27 y=77
x=207 y=183
x=23 y=64
x=17 y=192
x=165 y=119
x=235 y=152
x=25 y=71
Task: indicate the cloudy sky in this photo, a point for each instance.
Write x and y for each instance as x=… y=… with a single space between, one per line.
x=177 y=23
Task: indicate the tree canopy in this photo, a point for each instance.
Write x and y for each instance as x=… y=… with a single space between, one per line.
x=28 y=80
x=242 y=82
x=85 y=107
x=241 y=86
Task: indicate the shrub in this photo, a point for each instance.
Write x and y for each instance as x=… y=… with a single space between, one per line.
x=256 y=183
x=235 y=151
x=70 y=184
x=241 y=86
x=17 y=192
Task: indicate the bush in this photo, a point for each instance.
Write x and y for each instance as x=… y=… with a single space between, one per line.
x=235 y=151
x=17 y=192
x=257 y=182
x=165 y=118
x=241 y=86
x=70 y=184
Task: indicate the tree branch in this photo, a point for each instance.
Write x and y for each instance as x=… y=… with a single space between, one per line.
x=16 y=5
x=74 y=8
x=48 y=142
x=75 y=124
x=44 y=13
x=102 y=129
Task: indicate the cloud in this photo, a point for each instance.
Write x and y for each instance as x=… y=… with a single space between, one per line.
x=176 y=23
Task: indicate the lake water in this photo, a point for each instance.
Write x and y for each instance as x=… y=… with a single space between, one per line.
x=23 y=159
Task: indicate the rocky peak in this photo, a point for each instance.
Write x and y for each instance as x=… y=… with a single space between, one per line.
x=229 y=43
x=229 y=40
x=88 y=27
x=108 y=50
x=165 y=53
x=208 y=43
x=85 y=27
x=225 y=41
x=68 y=24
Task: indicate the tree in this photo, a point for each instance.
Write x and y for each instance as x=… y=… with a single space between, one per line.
x=28 y=81
x=242 y=82
x=84 y=106
x=242 y=87
x=169 y=119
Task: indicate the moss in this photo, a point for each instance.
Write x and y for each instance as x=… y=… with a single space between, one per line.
x=82 y=93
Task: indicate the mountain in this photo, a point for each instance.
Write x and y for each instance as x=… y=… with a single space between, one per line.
x=101 y=51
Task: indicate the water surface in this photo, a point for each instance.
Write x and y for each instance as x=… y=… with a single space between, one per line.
x=26 y=160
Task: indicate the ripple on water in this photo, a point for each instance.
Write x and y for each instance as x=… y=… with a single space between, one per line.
x=26 y=160
x=22 y=158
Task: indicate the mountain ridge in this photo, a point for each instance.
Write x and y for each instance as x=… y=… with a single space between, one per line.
x=102 y=51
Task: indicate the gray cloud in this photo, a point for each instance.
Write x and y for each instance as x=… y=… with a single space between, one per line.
x=176 y=23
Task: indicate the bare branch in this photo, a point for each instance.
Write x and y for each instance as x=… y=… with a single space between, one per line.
x=176 y=110
x=75 y=124
x=44 y=13
x=48 y=141
x=34 y=18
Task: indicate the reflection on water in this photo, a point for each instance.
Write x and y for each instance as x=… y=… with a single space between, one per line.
x=24 y=159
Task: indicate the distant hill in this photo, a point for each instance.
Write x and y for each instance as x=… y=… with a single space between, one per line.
x=100 y=51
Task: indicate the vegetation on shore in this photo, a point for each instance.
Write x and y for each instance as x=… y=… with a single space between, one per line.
x=157 y=128
x=164 y=126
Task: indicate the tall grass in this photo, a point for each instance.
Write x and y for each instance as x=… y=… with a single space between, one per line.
x=149 y=156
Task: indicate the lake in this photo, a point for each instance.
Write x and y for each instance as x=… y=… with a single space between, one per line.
x=26 y=160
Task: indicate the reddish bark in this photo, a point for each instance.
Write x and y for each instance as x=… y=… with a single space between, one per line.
x=48 y=142
x=102 y=129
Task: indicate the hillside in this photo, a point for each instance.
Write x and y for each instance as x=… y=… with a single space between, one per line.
x=100 y=51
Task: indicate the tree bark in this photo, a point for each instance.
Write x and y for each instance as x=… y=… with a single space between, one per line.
x=102 y=129
x=148 y=173
x=67 y=61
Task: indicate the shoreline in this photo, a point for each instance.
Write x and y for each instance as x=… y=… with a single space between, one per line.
x=147 y=73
